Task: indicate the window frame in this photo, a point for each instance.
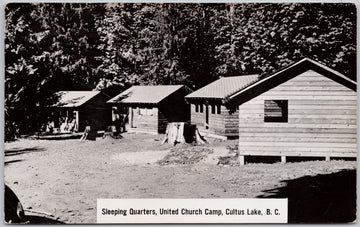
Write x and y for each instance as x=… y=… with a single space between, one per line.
x=283 y=106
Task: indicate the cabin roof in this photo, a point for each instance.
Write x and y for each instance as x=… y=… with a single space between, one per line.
x=152 y=94
x=223 y=87
x=294 y=70
x=74 y=98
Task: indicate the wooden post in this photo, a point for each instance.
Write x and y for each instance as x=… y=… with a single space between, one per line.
x=283 y=159
x=327 y=158
x=242 y=160
x=76 y=120
x=131 y=117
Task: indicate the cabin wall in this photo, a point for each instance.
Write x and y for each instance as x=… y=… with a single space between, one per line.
x=231 y=120
x=94 y=117
x=153 y=119
x=162 y=122
x=83 y=121
x=321 y=120
x=216 y=121
x=224 y=124
x=145 y=118
x=197 y=118
x=95 y=112
x=174 y=107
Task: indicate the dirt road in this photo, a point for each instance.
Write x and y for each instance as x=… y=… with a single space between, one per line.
x=64 y=178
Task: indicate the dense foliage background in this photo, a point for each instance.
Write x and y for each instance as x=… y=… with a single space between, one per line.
x=109 y=47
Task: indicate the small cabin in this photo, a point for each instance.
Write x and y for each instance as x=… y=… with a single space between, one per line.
x=74 y=110
x=151 y=108
x=305 y=109
x=210 y=110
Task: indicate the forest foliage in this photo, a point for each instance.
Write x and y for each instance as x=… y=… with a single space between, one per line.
x=109 y=47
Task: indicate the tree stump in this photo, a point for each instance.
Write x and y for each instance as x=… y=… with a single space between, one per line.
x=181 y=132
x=112 y=132
x=89 y=133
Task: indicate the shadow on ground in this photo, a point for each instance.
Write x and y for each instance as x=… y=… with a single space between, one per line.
x=328 y=198
x=12 y=161
x=18 y=151
x=274 y=159
x=41 y=220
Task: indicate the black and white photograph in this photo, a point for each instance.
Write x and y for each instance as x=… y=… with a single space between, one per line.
x=207 y=102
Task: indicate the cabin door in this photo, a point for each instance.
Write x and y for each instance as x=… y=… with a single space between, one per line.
x=207 y=117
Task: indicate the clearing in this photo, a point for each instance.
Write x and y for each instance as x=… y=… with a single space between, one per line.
x=65 y=177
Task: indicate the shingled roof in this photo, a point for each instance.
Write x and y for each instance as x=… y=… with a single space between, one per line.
x=224 y=87
x=74 y=98
x=145 y=94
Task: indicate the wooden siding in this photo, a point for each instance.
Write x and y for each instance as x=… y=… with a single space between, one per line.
x=162 y=122
x=145 y=122
x=225 y=124
x=322 y=120
x=95 y=112
x=197 y=118
x=172 y=109
x=231 y=122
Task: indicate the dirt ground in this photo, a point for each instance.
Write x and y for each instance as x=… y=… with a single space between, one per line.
x=64 y=178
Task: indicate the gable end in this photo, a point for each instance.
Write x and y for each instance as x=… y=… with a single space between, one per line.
x=273 y=80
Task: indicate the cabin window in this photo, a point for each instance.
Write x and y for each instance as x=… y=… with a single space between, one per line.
x=218 y=109
x=196 y=108
x=201 y=108
x=276 y=111
x=213 y=109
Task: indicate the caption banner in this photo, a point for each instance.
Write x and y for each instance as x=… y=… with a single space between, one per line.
x=192 y=210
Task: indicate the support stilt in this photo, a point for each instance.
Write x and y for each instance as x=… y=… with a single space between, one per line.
x=242 y=160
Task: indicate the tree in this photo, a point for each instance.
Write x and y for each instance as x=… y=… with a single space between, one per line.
x=119 y=58
x=48 y=47
x=261 y=38
x=110 y=47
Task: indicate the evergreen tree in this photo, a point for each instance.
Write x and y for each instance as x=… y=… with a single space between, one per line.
x=110 y=47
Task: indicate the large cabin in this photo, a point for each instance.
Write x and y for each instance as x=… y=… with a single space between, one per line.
x=151 y=108
x=209 y=107
x=305 y=109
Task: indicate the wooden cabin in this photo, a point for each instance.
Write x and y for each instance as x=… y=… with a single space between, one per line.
x=305 y=109
x=81 y=108
x=150 y=108
x=210 y=110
